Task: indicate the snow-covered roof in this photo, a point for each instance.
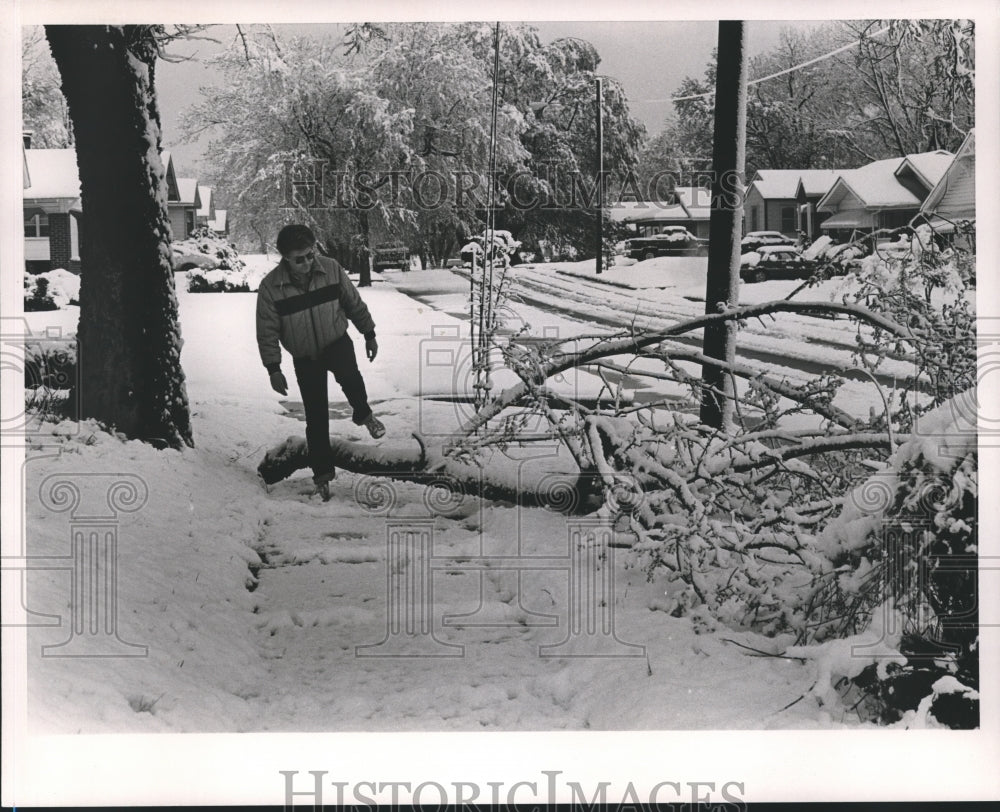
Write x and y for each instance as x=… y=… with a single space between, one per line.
x=930 y=166
x=776 y=183
x=52 y=174
x=878 y=185
x=205 y=209
x=954 y=195
x=693 y=203
x=627 y=210
x=187 y=189
x=219 y=223
x=656 y=214
x=816 y=181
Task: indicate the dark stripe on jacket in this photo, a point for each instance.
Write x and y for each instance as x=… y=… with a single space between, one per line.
x=296 y=304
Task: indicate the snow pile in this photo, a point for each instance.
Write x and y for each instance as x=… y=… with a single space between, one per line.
x=817 y=248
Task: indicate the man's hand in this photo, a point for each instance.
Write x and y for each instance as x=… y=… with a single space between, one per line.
x=371 y=348
x=278 y=382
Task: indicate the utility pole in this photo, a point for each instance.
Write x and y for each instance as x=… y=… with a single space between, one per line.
x=600 y=174
x=725 y=220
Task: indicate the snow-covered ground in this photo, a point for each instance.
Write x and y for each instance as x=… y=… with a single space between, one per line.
x=227 y=651
x=260 y=609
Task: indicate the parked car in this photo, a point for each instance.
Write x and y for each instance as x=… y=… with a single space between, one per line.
x=774 y=262
x=673 y=241
x=756 y=239
x=392 y=256
x=190 y=262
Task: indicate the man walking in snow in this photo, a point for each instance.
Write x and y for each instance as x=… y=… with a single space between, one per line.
x=304 y=304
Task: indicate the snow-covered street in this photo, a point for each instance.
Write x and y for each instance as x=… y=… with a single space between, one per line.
x=271 y=610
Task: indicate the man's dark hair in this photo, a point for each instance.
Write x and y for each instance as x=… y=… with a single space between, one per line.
x=295 y=237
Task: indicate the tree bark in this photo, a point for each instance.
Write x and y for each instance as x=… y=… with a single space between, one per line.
x=365 y=274
x=725 y=220
x=567 y=492
x=129 y=334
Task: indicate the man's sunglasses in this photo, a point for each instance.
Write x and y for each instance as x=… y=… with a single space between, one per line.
x=303 y=259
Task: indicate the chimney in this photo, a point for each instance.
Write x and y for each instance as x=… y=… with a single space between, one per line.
x=26 y=135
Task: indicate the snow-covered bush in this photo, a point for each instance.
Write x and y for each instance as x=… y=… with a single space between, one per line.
x=901 y=558
x=217 y=281
x=50 y=290
x=212 y=264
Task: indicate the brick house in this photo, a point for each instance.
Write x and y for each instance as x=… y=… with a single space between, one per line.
x=52 y=210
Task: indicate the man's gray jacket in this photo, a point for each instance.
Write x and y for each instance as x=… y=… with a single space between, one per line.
x=307 y=320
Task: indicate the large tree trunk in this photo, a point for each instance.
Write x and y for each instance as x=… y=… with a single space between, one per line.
x=129 y=334
x=728 y=159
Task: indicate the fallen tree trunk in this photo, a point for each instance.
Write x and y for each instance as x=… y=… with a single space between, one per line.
x=571 y=492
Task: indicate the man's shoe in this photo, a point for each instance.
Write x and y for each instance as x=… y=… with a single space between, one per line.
x=375 y=427
x=322 y=483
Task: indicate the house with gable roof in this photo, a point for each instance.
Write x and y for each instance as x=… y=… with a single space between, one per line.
x=52 y=207
x=220 y=224
x=184 y=209
x=883 y=194
x=206 y=209
x=688 y=206
x=51 y=210
x=953 y=198
x=785 y=200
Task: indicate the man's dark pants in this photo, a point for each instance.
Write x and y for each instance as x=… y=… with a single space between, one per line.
x=339 y=359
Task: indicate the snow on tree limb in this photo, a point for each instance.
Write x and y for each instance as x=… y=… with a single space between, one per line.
x=554 y=490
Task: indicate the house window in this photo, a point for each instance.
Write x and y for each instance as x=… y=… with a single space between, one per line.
x=37 y=226
x=753 y=219
x=788 y=219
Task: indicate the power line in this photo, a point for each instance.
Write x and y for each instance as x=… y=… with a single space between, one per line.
x=768 y=77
